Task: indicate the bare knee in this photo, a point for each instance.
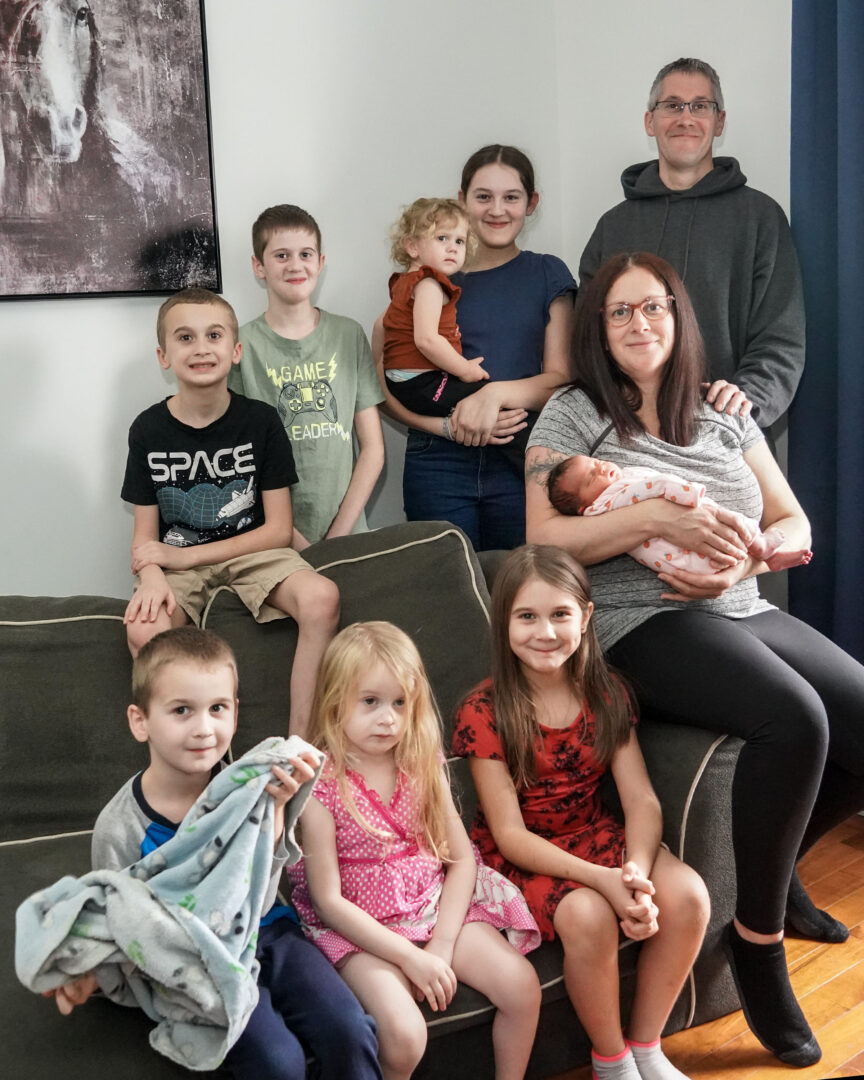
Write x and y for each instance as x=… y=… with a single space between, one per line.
x=522 y=992
x=317 y=603
x=684 y=900
x=401 y=1040
x=587 y=924
x=138 y=633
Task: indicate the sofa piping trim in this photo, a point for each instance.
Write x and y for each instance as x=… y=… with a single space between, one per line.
x=491 y=1008
x=68 y=619
x=376 y=555
x=688 y=802
x=38 y=839
x=417 y=543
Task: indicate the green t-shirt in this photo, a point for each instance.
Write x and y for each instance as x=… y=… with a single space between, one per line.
x=317 y=385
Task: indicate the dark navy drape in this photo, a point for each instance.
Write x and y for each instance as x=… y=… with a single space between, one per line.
x=826 y=421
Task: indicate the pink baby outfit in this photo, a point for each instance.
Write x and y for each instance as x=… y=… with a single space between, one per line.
x=636 y=485
x=398 y=883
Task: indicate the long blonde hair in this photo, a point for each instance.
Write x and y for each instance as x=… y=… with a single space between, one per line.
x=590 y=677
x=418 y=753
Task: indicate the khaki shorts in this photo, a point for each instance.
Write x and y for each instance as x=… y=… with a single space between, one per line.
x=252 y=577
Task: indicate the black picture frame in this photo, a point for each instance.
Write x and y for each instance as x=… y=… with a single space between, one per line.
x=106 y=160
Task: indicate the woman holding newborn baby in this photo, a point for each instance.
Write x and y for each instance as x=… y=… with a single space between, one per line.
x=788 y=692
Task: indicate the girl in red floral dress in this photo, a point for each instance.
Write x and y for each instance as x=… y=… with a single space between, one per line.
x=539 y=735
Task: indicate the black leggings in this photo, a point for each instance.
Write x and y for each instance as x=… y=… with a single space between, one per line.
x=792 y=695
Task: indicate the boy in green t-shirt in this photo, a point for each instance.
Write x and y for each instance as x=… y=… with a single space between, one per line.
x=317 y=369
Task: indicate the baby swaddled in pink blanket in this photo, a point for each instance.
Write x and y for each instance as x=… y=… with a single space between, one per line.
x=590 y=486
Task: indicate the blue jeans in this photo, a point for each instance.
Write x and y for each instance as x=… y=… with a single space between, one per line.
x=303 y=1006
x=473 y=487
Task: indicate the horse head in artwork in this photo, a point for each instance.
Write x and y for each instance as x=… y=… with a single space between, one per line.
x=55 y=61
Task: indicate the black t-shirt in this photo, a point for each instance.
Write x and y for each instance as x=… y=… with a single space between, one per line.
x=207 y=481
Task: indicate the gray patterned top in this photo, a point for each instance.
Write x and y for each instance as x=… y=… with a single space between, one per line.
x=626 y=594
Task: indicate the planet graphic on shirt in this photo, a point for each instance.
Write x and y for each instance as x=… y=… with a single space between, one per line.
x=200 y=506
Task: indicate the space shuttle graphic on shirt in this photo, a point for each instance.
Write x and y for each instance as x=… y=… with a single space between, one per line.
x=239 y=501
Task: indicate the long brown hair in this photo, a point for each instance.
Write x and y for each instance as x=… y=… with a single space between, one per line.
x=614 y=393
x=590 y=677
x=418 y=754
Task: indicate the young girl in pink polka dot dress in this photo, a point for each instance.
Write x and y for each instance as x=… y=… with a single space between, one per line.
x=390 y=889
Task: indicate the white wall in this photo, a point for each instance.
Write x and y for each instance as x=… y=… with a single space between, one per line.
x=351 y=108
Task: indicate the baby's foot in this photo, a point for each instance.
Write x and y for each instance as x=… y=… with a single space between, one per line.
x=763 y=545
x=785 y=560
x=766 y=546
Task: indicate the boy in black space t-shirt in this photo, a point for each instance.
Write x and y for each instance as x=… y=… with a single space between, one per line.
x=208 y=473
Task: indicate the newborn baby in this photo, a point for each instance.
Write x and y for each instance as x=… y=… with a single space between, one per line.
x=589 y=486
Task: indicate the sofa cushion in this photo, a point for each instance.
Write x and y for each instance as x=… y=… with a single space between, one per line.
x=64 y=687
x=422 y=576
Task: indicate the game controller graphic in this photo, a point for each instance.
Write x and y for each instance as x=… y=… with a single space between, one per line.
x=305 y=397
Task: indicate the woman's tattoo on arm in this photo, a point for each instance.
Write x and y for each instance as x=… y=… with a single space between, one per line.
x=539 y=467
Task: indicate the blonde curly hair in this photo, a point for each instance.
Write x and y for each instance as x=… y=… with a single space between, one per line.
x=421 y=219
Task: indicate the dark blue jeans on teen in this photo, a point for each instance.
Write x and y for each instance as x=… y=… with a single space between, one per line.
x=473 y=487
x=304 y=1006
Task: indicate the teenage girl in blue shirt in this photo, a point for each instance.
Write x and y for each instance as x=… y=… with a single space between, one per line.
x=515 y=310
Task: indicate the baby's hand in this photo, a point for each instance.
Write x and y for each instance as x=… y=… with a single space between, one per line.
x=433 y=978
x=474 y=373
x=73 y=993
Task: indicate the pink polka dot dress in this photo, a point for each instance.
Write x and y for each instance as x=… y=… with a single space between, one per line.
x=398 y=883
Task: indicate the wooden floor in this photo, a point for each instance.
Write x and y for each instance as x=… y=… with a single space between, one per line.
x=828 y=980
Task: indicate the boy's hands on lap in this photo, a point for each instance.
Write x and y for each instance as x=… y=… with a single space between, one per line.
x=151 y=595
x=165 y=556
x=73 y=993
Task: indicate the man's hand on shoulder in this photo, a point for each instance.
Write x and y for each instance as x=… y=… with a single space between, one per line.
x=165 y=556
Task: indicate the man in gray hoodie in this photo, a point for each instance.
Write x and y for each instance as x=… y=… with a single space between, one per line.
x=730 y=244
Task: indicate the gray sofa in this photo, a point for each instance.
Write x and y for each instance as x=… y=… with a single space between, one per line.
x=65 y=748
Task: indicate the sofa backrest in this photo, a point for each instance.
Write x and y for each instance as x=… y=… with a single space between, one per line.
x=65 y=745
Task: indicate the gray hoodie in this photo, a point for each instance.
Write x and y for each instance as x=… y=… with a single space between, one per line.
x=733 y=249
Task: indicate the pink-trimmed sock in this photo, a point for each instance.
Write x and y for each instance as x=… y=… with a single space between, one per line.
x=620 y=1067
x=652 y=1063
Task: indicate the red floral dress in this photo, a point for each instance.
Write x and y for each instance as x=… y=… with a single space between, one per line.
x=563 y=806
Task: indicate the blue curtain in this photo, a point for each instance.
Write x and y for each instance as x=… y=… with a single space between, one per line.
x=826 y=421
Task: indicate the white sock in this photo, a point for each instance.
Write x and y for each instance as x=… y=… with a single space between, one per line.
x=620 y=1067
x=652 y=1063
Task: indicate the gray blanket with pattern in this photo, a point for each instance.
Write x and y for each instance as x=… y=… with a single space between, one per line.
x=174 y=933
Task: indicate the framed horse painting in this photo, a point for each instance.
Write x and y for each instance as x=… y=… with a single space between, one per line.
x=106 y=171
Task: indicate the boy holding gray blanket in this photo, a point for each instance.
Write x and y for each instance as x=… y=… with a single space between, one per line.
x=179 y=929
